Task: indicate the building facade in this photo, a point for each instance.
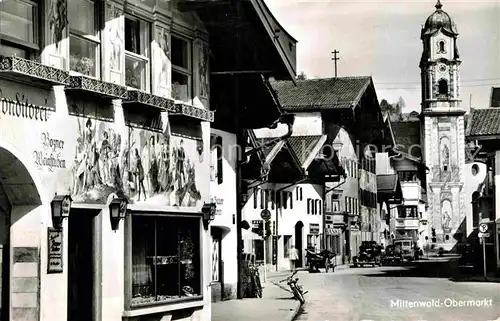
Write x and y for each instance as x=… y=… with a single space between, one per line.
x=86 y=117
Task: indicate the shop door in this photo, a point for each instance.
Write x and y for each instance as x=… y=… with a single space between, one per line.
x=298 y=242
x=81 y=266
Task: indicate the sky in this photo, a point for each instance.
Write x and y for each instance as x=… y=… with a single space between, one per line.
x=382 y=39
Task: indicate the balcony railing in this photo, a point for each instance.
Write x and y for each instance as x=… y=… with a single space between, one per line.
x=407 y=223
x=19 y=67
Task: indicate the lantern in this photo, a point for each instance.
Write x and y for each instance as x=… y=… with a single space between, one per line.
x=60 y=207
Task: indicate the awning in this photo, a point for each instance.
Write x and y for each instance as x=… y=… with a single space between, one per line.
x=389 y=188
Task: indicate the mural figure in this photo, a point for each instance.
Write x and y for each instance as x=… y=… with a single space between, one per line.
x=58 y=19
x=446 y=221
x=115 y=38
x=446 y=155
x=165 y=58
x=203 y=69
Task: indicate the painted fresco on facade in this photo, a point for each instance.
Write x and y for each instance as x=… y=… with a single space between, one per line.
x=203 y=70
x=148 y=167
x=162 y=169
x=58 y=19
x=97 y=169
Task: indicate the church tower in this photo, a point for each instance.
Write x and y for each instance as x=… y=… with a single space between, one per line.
x=443 y=130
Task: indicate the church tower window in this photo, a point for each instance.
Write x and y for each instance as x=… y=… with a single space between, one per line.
x=443 y=87
x=441 y=47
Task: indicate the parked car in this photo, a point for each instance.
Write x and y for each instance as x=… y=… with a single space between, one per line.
x=407 y=246
x=369 y=254
x=392 y=255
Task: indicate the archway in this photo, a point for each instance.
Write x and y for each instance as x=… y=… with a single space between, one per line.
x=299 y=226
x=18 y=196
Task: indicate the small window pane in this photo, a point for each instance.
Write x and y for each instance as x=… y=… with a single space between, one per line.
x=16 y=20
x=6 y=50
x=81 y=16
x=135 y=74
x=83 y=56
x=180 y=53
x=180 y=86
x=132 y=36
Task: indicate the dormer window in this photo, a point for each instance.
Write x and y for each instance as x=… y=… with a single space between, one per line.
x=443 y=87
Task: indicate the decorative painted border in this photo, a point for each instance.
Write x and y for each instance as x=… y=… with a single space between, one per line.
x=33 y=69
x=97 y=86
x=145 y=98
x=194 y=112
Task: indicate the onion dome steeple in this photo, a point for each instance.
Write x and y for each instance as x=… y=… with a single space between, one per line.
x=439 y=20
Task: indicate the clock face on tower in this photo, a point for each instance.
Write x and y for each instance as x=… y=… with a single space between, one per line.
x=442 y=67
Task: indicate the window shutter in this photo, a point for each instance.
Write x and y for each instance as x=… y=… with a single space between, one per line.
x=220 y=162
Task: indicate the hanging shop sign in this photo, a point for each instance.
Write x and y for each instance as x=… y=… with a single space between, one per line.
x=314 y=228
x=55 y=255
x=219 y=203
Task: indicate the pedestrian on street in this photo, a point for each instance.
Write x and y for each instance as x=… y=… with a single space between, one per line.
x=293 y=256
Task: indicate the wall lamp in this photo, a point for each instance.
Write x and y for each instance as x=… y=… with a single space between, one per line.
x=60 y=207
x=208 y=211
x=117 y=211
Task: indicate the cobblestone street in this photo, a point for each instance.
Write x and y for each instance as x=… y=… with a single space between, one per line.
x=393 y=293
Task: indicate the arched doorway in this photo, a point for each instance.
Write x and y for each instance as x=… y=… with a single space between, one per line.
x=299 y=226
x=17 y=190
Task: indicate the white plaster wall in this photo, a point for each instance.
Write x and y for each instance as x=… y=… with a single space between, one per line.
x=227 y=192
x=287 y=218
x=473 y=183
x=305 y=124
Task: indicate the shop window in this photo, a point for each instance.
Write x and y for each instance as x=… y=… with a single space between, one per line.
x=290 y=196
x=137 y=53
x=165 y=259
x=285 y=199
x=84 y=40
x=19 y=28
x=287 y=244
x=181 y=69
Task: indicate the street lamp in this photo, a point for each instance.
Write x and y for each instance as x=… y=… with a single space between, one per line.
x=208 y=213
x=117 y=211
x=60 y=207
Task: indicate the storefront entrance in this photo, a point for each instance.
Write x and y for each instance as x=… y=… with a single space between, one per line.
x=82 y=262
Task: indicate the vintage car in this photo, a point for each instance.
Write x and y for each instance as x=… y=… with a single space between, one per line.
x=407 y=246
x=392 y=256
x=369 y=254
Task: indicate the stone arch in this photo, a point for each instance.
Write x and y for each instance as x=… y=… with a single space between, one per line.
x=25 y=177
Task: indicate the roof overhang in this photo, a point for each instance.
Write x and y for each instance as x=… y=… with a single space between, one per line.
x=245 y=36
x=389 y=188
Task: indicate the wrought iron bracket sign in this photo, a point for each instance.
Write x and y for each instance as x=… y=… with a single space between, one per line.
x=144 y=98
x=16 y=66
x=97 y=87
x=55 y=250
x=60 y=208
x=185 y=110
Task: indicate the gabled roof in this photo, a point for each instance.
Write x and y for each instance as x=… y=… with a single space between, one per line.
x=320 y=94
x=483 y=122
x=495 y=97
x=304 y=146
x=407 y=135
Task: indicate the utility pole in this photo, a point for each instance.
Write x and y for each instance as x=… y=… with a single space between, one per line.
x=335 y=58
x=470 y=101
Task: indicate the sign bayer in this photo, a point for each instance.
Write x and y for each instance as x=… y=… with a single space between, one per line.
x=265 y=214
x=483 y=228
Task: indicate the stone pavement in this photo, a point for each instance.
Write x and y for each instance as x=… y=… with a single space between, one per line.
x=275 y=305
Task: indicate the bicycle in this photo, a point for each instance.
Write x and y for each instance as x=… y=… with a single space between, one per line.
x=296 y=288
